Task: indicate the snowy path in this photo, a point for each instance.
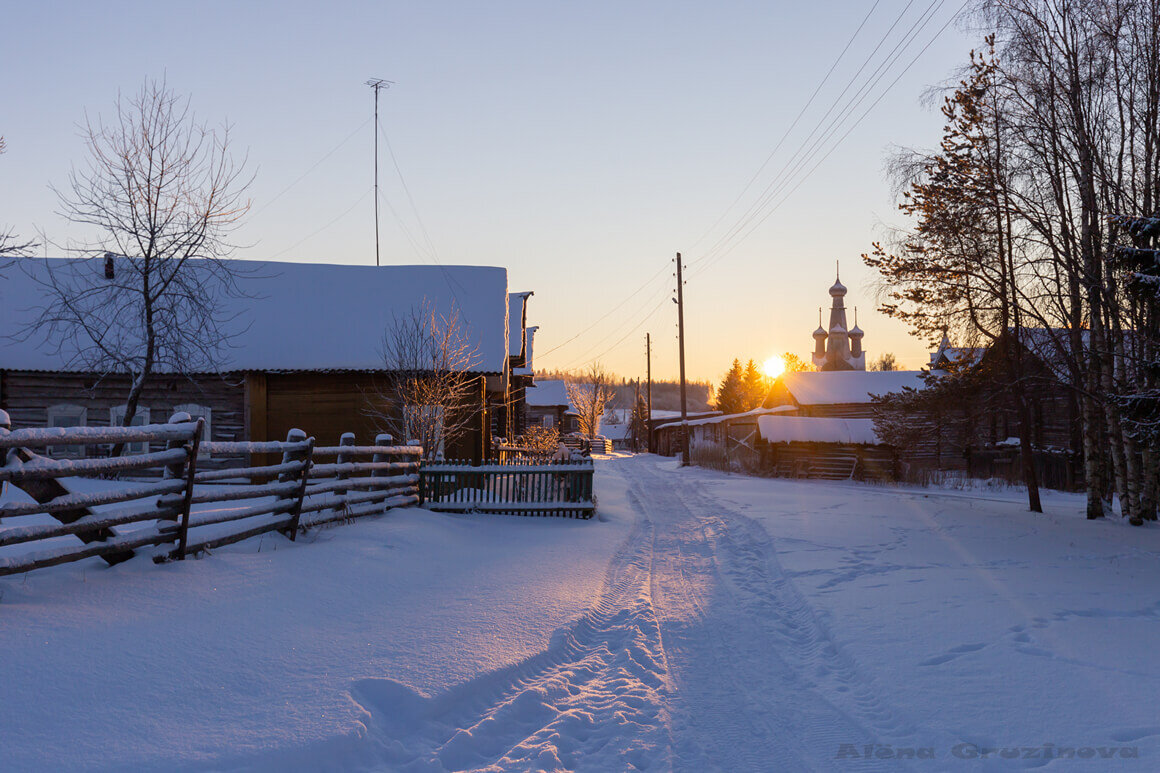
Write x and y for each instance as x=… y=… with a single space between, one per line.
x=756 y=674
x=698 y=655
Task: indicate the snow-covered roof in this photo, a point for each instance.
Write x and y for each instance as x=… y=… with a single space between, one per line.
x=847 y=386
x=810 y=429
x=659 y=414
x=547 y=394
x=301 y=316
x=730 y=416
x=1054 y=348
x=517 y=302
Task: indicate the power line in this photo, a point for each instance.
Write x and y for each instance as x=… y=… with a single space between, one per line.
x=323 y=228
x=604 y=317
x=431 y=254
x=808 y=149
x=785 y=135
x=738 y=236
x=811 y=145
x=631 y=331
x=314 y=166
x=810 y=139
x=410 y=198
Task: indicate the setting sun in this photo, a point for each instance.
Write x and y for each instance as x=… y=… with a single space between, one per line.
x=774 y=366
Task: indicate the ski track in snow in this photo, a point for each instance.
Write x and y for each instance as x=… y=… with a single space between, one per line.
x=597 y=693
x=761 y=684
x=699 y=654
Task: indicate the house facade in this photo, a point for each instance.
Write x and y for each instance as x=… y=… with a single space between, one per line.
x=547 y=405
x=306 y=352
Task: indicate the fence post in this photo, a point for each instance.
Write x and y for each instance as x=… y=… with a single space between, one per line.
x=186 y=469
x=305 y=456
x=381 y=439
x=347 y=439
x=419 y=459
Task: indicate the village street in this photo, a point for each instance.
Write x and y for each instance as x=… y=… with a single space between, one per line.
x=705 y=622
x=903 y=624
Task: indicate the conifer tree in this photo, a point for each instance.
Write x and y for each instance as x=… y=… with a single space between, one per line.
x=755 y=388
x=730 y=395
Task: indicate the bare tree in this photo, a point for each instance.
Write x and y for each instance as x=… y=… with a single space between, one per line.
x=164 y=195
x=886 y=362
x=589 y=396
x=9 y=246
x=428 y=395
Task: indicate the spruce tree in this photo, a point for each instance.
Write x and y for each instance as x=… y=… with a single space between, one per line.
x=755 y=388
x=730 y=395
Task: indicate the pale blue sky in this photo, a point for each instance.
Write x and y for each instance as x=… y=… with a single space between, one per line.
x=580 y=145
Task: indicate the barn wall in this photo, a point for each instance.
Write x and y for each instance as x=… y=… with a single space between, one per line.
x=325 y=405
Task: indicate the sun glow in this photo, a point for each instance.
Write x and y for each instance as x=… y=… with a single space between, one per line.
x=774 y=366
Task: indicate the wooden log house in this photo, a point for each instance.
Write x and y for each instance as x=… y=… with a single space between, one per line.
x=305 y=351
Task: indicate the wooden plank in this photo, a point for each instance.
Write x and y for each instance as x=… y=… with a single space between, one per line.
x=46 y=490
x=45 y=468
x=75 y=501
x=113 y=551
x=209 y=518
x=230 y=539
x=21 y=534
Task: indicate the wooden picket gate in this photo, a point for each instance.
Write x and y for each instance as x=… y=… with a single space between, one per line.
x=561 y=488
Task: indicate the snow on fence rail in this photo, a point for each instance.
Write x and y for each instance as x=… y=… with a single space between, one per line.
x=192 y=510
x=555 y=488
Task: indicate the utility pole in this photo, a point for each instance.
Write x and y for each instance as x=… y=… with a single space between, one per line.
x=377 y=84
x=648 y=367
x=635 y=405
x=680 y=300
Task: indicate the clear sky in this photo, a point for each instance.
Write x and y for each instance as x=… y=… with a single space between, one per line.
x=580 y=145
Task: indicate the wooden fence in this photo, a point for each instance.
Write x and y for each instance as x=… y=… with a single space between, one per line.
x=191 y=510
x=552 y=488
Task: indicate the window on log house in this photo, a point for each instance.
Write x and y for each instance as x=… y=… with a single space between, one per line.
x=67 y=415
x=140 y=419
x=199 y=412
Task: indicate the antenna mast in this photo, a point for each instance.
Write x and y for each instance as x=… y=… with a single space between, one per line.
x=376 y=84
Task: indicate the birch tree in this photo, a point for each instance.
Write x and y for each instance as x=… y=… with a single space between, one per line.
x=589 y=396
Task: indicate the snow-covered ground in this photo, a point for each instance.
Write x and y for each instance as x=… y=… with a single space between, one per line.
x=706 y=622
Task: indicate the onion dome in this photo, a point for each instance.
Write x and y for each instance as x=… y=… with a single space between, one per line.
x=856 y=332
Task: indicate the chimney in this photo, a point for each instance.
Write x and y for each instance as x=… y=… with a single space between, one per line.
x=108 y=265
